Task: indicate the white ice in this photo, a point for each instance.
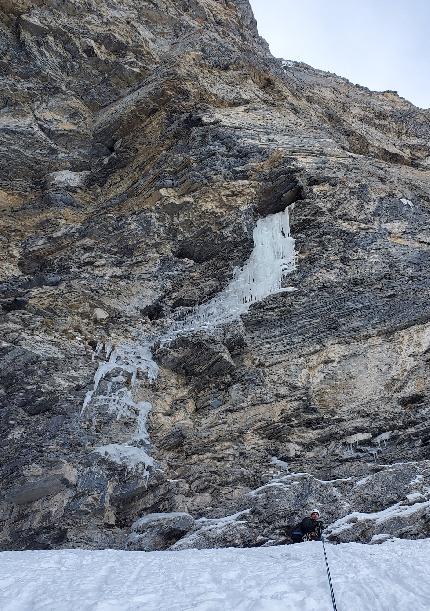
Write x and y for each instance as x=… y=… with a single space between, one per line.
x=392 y=576
x=271 y=259
x=406 y=202
x=127 y=361
x=126 y=358
x=131 y=457
x=66 y=178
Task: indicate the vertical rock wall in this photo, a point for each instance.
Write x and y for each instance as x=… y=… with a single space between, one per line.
x=140 y=143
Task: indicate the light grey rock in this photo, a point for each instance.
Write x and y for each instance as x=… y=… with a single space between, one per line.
x=100 y=315
x=231 y=531
x=157 y=531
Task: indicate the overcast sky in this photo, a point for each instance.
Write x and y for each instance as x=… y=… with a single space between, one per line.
x=381 y=44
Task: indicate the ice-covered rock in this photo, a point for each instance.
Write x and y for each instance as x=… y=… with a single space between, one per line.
x=140 y=168
x=271 y=259
x=156 y=531
x=66 y=179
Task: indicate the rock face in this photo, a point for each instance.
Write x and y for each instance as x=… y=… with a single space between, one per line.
x=159 y=531
x=140 y=142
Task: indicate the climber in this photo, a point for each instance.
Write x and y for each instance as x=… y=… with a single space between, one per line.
x=309 y=529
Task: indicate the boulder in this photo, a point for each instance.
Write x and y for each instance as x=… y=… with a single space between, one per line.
x=231 y=531
x=197 y=354
x=158 y=531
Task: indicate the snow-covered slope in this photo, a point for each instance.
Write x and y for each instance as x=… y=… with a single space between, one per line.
x=392 y=576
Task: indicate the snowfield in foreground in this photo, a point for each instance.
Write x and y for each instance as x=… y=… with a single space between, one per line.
x=392 y=576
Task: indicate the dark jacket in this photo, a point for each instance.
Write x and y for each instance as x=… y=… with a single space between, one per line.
x=311 y=529
x=307 y=530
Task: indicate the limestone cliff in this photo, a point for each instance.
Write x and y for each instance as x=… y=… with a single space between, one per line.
x=140 y=143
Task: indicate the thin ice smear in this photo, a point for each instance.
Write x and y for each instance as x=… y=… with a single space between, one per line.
x=126 y=362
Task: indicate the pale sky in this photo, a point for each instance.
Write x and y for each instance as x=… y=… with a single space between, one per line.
x=381 y=44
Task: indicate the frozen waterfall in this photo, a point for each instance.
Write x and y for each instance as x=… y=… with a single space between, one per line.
x=272 y=257
x=125 y=363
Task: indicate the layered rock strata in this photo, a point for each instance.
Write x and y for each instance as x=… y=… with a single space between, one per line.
x=140 y=144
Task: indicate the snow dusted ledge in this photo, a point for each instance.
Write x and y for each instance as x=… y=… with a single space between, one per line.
x=400 y=513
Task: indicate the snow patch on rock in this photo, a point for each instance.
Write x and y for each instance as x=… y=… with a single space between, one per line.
x=406 y=202
x=65 y=179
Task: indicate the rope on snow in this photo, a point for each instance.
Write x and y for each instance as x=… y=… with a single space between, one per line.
x=333 y=599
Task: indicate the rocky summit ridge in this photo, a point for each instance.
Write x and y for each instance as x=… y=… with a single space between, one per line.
x=141 y=142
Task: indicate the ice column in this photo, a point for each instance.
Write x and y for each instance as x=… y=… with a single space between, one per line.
x=272 y=257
